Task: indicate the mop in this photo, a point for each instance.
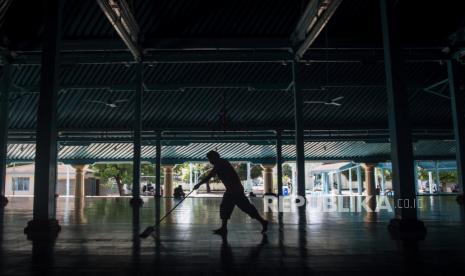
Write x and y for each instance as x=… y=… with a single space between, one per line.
x=149 y=230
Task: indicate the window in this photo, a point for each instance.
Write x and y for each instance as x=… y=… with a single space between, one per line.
x=21 y=184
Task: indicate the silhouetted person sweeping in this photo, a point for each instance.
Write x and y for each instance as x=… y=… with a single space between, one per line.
x=234 y=194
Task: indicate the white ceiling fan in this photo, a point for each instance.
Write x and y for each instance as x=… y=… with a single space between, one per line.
x=333 y=102
x=111 y=104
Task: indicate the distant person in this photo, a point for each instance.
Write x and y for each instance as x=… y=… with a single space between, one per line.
x=178 y=192
x=251 y=194
x=234 y=194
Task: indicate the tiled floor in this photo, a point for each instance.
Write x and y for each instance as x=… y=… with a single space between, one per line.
x=99 y=240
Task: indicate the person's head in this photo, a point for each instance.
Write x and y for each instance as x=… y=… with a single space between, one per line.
x=213 y=156
x=180 y=186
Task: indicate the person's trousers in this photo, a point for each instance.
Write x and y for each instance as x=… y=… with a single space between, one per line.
x=231 y=199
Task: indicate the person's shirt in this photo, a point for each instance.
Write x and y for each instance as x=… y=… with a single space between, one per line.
x=226 y=173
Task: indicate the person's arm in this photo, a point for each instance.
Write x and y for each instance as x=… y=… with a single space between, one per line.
x=210 y=174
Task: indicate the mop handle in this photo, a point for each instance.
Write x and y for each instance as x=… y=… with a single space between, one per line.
x=172 y=209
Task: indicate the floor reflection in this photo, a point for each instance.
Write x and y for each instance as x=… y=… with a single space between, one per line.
x=101 y=235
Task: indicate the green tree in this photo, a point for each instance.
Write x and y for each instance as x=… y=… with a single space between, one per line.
x=120 y=173
x=287 y=171
x=256 y=171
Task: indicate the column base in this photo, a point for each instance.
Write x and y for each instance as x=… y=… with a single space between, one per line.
x=42 y=229
x=3 y=201
x=136 y=202
x=404 y=229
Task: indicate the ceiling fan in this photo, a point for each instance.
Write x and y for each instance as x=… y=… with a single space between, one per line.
x=333 y=102
x=111 y=104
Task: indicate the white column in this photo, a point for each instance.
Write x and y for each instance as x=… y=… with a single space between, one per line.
x=339 y=182
x=191 y=185
x=196 y=175
x=359 y=180
x=168 y=176
x=430 y=181
x=331 y=182
x=294 y=180
x=67 y=180
x=438 y=180
x=350 y=181
x=383 y=182
x=249 y=180
x=415 y=177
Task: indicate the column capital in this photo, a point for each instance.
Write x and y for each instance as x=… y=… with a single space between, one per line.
x=168 y=166
x=78 y=167
x=267 y=166
x=369 y=165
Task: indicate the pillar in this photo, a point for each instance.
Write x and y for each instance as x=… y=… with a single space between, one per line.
x=383 y=182
x=350 y=181
x=136 y=163
x=456 y=73
x=438 y=179
x=191 y=184
x=168 y=184
x=415 y=173
x=330 y=181
x=249 y=178
x=79 y=187
x=279 y=162
x=325 y=182
x=430 y=182
x=267 y=179
x=4 y=90
x=44 y=225
x=359 y=180
x=299 y=132
x=158 y=166
x=405 y=224
x=79 y=193
x=339 y=182
x=294 y=180
x=370 y=185
x=68 y=184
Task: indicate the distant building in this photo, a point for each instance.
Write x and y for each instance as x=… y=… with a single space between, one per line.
x=20 y=180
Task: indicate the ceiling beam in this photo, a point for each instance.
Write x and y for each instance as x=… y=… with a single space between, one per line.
x=317 y=55
x=315 y=17
x=124 y=22
x=257 y=160
x=250 y=86
x=262 y=138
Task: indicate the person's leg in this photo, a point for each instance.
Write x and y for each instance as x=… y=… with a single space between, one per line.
x=226 y=209
x=244 y=204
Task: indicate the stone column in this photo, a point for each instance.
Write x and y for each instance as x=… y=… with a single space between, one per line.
x=267 y=178
x=370 y=184
x=430 y=181
x=339 y=182
x=359 y=181
x=168 y=183
x=79 y=187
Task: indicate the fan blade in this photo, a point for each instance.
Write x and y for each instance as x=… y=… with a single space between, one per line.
x=121 y=101
x=335 y=104
x=337 y=99
x=99 y=102
x=314 y=102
